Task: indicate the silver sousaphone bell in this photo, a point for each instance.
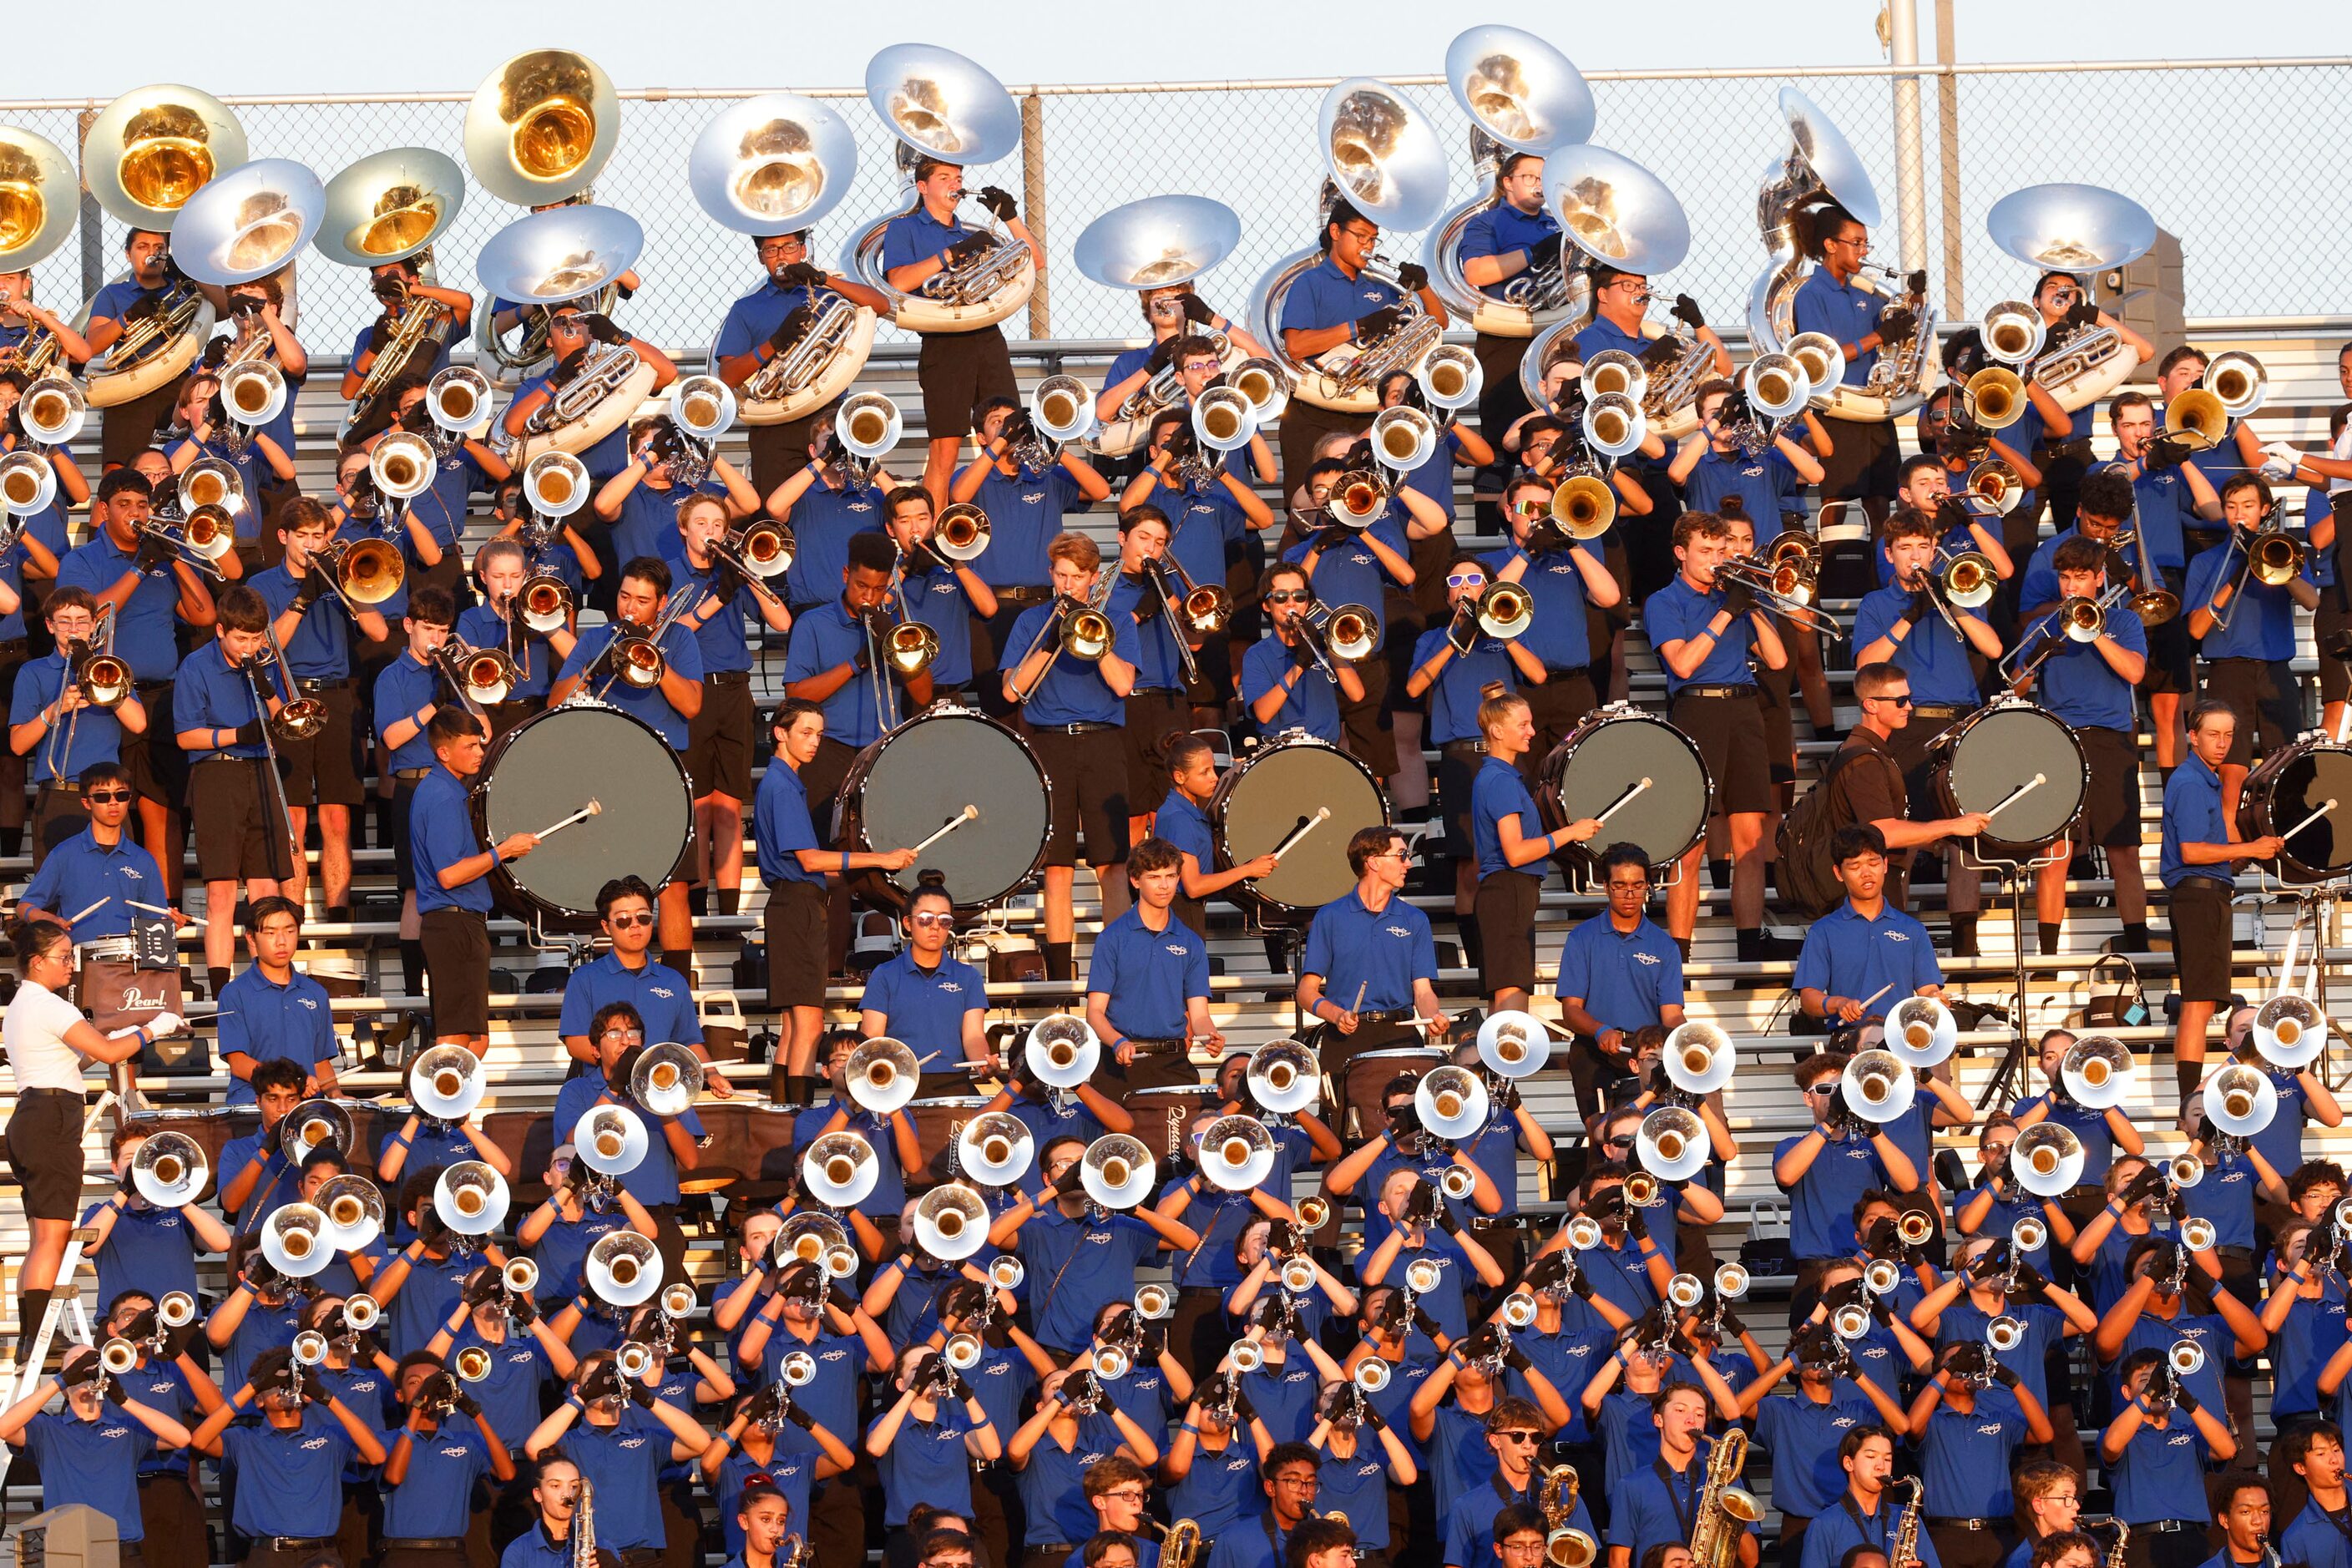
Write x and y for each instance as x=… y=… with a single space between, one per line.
x=622 y=1270
x=772 y=164
x=355 y=1208
x=1877 y=1087
x=154 y=147
x=2240 y=1100
x=1698 y=1058
x=1283 y=1078
x=2048 y=1158
x=1921 y=1031
x=43 y=198
x=668 y=1079
x=170 y=1170
x=1671 y=1143
x=610 y=1141
x=1062 y=1051
x=541 y=127
x=389 y=205
x=1452 y=1102
x=248 y=223
x=951 y=1221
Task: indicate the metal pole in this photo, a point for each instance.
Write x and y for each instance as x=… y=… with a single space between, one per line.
x=1033 y=208
x=1948 y=125
x=1910 y=172
x=93 y=239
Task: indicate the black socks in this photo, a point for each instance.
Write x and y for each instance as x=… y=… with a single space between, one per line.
x=680 y=959
x=2046 y=936
x=1963 y=936
x=412 y=966
x=2135 y=937
x=1059 y=964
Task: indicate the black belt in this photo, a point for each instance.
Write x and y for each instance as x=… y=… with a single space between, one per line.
x=1382 y=1015
x=1080 y=729
x=1477 y=748
x=1024 y=594
x=292 y=1543
x=1493 y=1221
x=1940 y=710
x=309 y=687
x=727 y=677
x=13 y=645
x=2171 y=1526
x=37 y=1089
x=1146 y=1046
x=1556 y=670
x=69 y=785
x=1961 y=1523
x=425 y=1543
x=1717 y=692
x=223 y=757
x=409 y=776
x=1182 y=1290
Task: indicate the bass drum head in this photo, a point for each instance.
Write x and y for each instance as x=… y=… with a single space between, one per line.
x=1995 y=753
x=1273 y=793
x=551 y=764
x=2290 y=788
x=1595 y=766
x=909 y=783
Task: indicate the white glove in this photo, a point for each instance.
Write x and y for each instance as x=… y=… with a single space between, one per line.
x=164 y=1023
x=2283 y=461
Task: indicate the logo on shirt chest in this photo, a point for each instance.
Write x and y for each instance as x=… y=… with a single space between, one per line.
x=1894 y=936
x=1096 y=1239
x=457 y=1452
x=1033 y=498
x=312 y=1445
x=1650 y=959
x=114 y=1434
x=1177 y=948
x=664 y=991
x=309 y=1002
x=1400 y=932
x=857 y=506
x=952 y=985
x=631 y=1443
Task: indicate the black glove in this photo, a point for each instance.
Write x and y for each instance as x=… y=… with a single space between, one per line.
x=1732 y=1324
x=1545 y=252
x=1898 y=324
x=1163 y=354
x=1243 y=1411
x=2183 y=1399
x=999 y=203
x=1964 y=1360
x=1405 y=1117
x=378 y=334
x=1378 y=323
x=567 y=369
x=1636 y=1226
x=601 y=328
x=971 y=247
x=1413 y=277
x=1549 y=1269
x=2082 y=313
x=790 y=329
x=1151 y=1343
x=2147 y=1184
x=1018 y=427
x=1196 y=309
x=522 y=1309
x=482 y=1286
x=1919 y=606
x=2030 y=1280
x=1371 y=1416
x=801 y=275
x=1480 y=1344
x=270 y=1369
x=603 y=1382
x=1738 y=598
x=81 y=1372
x=438 y=1391
x=2166 y=452
x=2320 y=1241
x=1516 y=1359
x=466 y=1405
x=313 y=1386
x=155 y=554
x=1991 y=1262
x=259 y=1273
x=2004 y=1375
x=798 y=1415
x=1507 y=1095
x=959 y=1388
x=1842 y=1295
x=1420 y=1203
x=1429 y=1326
x=765 y=1404
x=1686 y=311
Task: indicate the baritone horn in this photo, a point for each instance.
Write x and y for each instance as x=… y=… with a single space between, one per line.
x=2012 y=332
x=1994 y=398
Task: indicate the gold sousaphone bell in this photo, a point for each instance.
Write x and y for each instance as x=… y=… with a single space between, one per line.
x=541 y=127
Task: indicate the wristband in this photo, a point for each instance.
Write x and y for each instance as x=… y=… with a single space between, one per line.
x=494 y=856
x=845 y=862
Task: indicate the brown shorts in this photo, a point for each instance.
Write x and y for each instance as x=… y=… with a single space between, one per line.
x=2331 y=627
x=236 y=817
x=1151 y=715
x=128 y=429
x=1458 y=763
x=44 y=1141
x=326 y=768
x=457 y=945
x=1506 y=906
x=956 y=370
x=1086 y=776
x=794 y=922
x=1729 y=734
x=718 y=738
x=2267 y=698
x=2200 y=938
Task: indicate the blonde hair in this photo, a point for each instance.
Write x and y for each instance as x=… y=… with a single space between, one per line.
x=1079 y=550
x=1498 y=708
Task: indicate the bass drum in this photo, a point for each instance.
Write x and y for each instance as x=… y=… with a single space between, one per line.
x=551 y=764
x=1269 y=795
x=912 y=782
x=1996 y=751
x=2286 y=790
x=1605 y=759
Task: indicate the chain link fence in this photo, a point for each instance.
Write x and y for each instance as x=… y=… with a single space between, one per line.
x=2191 y=141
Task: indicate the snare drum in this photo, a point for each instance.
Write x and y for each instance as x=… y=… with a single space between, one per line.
x=1268 y=797
x=551 y=764
x=1366 y=1078
x=1162 y=1111
x=2290 y=786
x=914 y=780
x=937 y=1122
x=1603 y=760
x=1988 y=756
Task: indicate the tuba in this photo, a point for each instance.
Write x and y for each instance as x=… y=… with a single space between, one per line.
x=146 y=154
x=940 y=105
x=2078 y=229
x=1382 y=157
x=1158 y=242
x=1725 y=1508
x=1616 y=213
x=770 y=165
x=1522 y=96
x=248 y=224
x=391 y=206
x=563 y=254
x=39 y=198
x=1821 y=166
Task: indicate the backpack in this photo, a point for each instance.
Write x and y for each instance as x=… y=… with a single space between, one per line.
x=1803 y=873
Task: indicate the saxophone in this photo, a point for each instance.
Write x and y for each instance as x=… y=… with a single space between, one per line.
x=1725 y=1508
x=1903 y=1552
x=1564 y=1545
x=584 y=1527
x=1180 y=1544
x=2123 y=1534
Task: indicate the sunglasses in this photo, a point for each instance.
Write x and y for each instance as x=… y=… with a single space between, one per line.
x=932 y=918
x=1465 y=580
x=1288 y=596
x=1517 y=1436
x=1898 y=699
x=107 y=797
x=630 y=922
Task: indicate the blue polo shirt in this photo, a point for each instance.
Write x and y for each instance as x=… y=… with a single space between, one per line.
x=1964 y=1322
x=2194 y=815
x=442 y=505
x=1186 y=826
x=792 y=1465
x=272 y=1190
x=2090 y=1127
x=654 y=1180
x=1502 y=229
x=96 y=735
x=1556 y=587
x=1840 y=1527
x=49 y=527
x=916 y=236
x=825 y=637
x=926 y=1008
x=1655 y=1503
x=405 y=687
x=648 y=522
x=95 y=1463
x=269 y=1022
x=927 y=1462
x=1964 y=1459
x=209 y=695
x=321 y=647
x=1149 y=974
x=722 y=640
x=2039 y=586
x=2226 y=1196
x=1312 y=704
x=1931 y=653
x=2261 y=618
x=1453 y=697
x=532 y=1549
x=1802 y=1438
x=1678 y=612
x=478 y=626
x=1386 y=951
x=439 y=347
x=1076 y=1267
x=1626 y=978
x=662 y=996
x=82 y=871
x=2317 y=1538
x=1848 y=954
x=1159 y=667
x=1497 y=792
x=1024 y=512
x=889 y=1194
x=1849 y=313
x=1221 y=1489
x=436 y=1497
x=936 y=598
x=1052 y=1490
x=510 y=1395
x=822 y=521
x=780 y=825
x=1072 y=691
x=1601 y=335
x=1203 y=523
x=1766 y=484
x=1821 y=1205
x=2167 y=512
x=1357 y=1486
x=142 y=626
x=646 y=702
x=441 y=834
x=2281 y=1142
x=1349 y=574
x=624 y=1463
x=754 y=317
x=2161 y=1474
x=2078 y=685
x=248 y=466
x=146 y=1248
x=1323 y=296
x=290 y=1482
x=2210 y=1332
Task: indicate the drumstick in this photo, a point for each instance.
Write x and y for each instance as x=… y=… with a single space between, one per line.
x=159 y=909
x=969 y=814
x=1877 y=994
x=2307 y=821
x=91 y=910
x=1322 y=814
x=2036 y=782
x=593 y=808
x=1618 y=805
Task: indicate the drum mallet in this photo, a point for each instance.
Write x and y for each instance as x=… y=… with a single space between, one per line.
x=1875 y=995
x=593 y=808
x=969 y=814
x=2307 y=821
x=1322 y=814
x=2028 y=787
x=90 y=911
x=1621 y=801
x=166 y=914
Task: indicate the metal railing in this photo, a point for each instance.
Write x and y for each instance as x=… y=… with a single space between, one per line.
x=2193 y=142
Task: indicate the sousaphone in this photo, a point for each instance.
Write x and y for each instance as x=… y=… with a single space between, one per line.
x=572 y=253
x=770 y=165
x=1158 y=242
x=39 y=198
x=2081 y=229
x=391 y=206
x=1612 y=213
x=940 y=105
x=249 y=223
x=1522 y=96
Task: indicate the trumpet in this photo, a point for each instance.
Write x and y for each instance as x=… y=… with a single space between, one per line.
x=962 y=533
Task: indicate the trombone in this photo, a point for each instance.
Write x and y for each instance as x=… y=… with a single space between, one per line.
x=2154 y=604
x=1785 y=589
x=298 y=717
x=2273 y=559
x=2075 y=620
x=93 y=670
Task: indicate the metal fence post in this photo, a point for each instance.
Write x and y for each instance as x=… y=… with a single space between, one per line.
x=1947 y=124
x=1033 y=207
x=93 y=239
x=1910 y=172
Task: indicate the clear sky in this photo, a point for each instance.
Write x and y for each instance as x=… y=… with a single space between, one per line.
x=452 y=44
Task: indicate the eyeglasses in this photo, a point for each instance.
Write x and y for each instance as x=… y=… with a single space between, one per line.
x=1126 y=1494
x=1307 y=1482
x=1862 y=244
x=106 y=796
x=1619 y=885
x=622 y=1032
x=630 y=922
x=1288 y=596
x=1466 y=579
x=1529 y=1549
